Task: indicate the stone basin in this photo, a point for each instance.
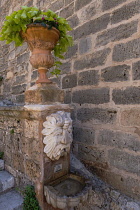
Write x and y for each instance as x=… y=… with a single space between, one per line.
x=67 y=191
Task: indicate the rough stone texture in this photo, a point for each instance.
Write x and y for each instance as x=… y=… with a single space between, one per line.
x=6 y=181
x=1 y=164
x=67 y=11
x=11 y=201
x=95 y=96
x=136 y=70
x=127 y=50
x=85 y=45
x=97 y=115
x=79 y=4
x=88 y=78
x=130 y=95
x=119 y=139
x=131 y=117
x=69 y=81
x=93 y=26
x=115 y=73
x=125 y=12
x=92 y=60
x=83 y=135
x=107 y=4
x=121 y=32
x=125 y=161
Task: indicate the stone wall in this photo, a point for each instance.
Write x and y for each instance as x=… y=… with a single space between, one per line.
x=100 y=76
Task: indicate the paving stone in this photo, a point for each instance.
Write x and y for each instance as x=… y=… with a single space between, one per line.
x=6 y=181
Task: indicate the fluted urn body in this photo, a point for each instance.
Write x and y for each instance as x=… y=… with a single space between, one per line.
x=41 y=42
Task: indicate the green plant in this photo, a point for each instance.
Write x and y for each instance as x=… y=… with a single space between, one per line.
x=1 y=155
x=18 y=21
x=30 y=202
x=1 y=78
x=12 y=131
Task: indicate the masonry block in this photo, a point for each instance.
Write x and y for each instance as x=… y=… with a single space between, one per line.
x=79 y=4
x=97 y=115
x=92 y=60
x=88 y=77
x=69 y=81
x=115 y=73
x=130 y=95
x=136 y=70
x=119 y=139
x=115 y=34
x=73 y=21
x=85 y=45
x=18 y=89
x=125 y=51
x=124 y=161
x=107 y=4
x=68 y=2
x=130 y=117
x=92 y=27
x=125 y=12
x=67 y=11
x=22 y=58
x=72 y=51
x=91 y=96
x=66 y=68
x=83 y=135
x=57 y=5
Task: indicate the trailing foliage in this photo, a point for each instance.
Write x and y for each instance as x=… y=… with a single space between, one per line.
x=18 y=21
x=30 y=202
x=1 y=155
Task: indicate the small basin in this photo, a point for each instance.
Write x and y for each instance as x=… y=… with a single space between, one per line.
x=67 y=191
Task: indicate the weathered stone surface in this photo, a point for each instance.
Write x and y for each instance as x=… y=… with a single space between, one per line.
x=69 y=81
x=91 y=96
x=22 y=58
x=114 y=34
x=20 y=80
x=92 y=60
x=125 y=12
x=20 y=99
x=124 y=161
x=6 y=181
x=57 y=5
x=68 y=2
x=72 y=51
x=131 y=117
x=65 y=68
x=79 y=4
x=88 y=78
x=136 y=70
x=73 y=21
x=130 y=95
x=115 y=73
x=107 y=4
x=67 y=98
x=86 y=136
x=97 y=115
x=34 y=75
x=67 y=11
x=18 y=89
x=127 y=50
x=1 y=164
x=85 y=45
x=119 y=139
x=91 y=27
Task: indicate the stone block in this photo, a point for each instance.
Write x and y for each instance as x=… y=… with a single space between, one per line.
x=90 y=61
x=31 y=129
x=97 y=115
x=18 y=89
x=6 y=181
x=72 y=51
x=20 y=99
x=115 y=34
x=79 y=4
x=57 y=5
x=130 y=95
x=88 y=77
x=125 y=12
x=129 y=50
x=115 y=73
x=124 y=161
x=92 y=27
x=32 y=169
x=65 y=68
x=67 y=98
x=73 y=21
x=67 y=11
x=91 y=96
x=83 y=135
x=107 y=4
x=119 y=139
x=85 y=45
x=131 y=117
x=34 y=75
x=136 y=70
x=92 y=155
x=20 y=80
x=23 y=58
x=69 y=81
x=68 y=2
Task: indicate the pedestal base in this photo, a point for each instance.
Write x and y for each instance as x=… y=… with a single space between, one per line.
x=44 y=94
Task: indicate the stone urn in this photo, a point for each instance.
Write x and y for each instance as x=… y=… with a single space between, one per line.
x=41 y=42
